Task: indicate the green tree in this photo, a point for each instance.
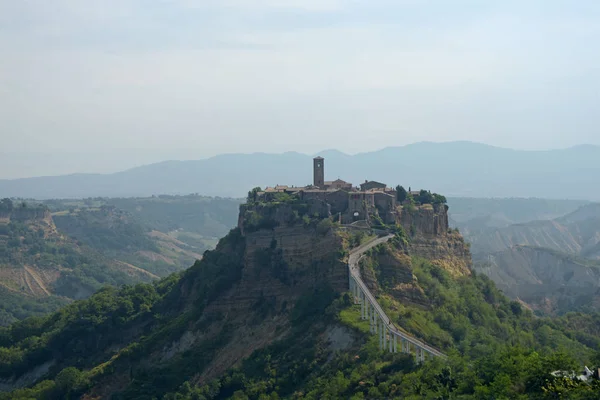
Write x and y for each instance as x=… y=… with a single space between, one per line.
x=253 y=195
x=425 y=197
x=401 y=193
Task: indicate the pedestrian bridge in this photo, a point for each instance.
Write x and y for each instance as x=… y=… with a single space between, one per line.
x=390 y=337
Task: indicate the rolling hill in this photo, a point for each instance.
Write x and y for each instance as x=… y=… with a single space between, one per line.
x=458 y=169
x=552 y=266
x=60 y=250
x=268 y=315
x=577 y=233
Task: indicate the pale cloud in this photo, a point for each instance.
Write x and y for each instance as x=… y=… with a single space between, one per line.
x=276 y=75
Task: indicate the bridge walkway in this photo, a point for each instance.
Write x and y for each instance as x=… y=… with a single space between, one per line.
x=380 y=323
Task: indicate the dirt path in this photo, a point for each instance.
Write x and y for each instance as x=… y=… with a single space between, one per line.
x=37 y=280
x=143 y=271
x=27 y=282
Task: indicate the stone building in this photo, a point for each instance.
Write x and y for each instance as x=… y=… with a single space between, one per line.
x=369 y=185
x=346 y=202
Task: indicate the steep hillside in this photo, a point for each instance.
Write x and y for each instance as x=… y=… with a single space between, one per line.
x=474 y=216
x=37 y=261
x=576 y=233
x=455 y=168
x=117 y=235
x=195 y=220
x=549 y=265
x=549 y=281
x=266 y=314
x=67 y=249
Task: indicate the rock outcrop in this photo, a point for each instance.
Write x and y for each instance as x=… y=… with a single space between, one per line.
x=428 y=237
x=426 y=220
x=284 y=258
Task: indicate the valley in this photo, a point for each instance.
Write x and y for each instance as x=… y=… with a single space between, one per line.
x=62 y=250
x=550 y=265
x=266 y=313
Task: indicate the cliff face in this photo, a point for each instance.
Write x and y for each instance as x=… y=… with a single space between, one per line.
x=431 y=238
x=390 y=267
x=283 y=259
x=426 y=220
x=22 y=214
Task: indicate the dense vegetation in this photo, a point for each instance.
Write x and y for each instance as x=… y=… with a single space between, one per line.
x=496 y=349
x=79 y=337
x=14 y=306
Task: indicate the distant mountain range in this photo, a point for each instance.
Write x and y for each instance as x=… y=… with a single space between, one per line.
x=454 y=169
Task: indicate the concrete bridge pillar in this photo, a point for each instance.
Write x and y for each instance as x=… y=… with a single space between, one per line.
x=379 y=332
x=363 y=305
x=420 y=355
x=395 y=344
x=375 y=323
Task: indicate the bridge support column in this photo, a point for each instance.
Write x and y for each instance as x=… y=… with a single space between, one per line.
x=384 y=331
x=420 y=355
x=363 y=305
x=395 y=344
x=391 y=342
x=379 y=332
x=405 y=346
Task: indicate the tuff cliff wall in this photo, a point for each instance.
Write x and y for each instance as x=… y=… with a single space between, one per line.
x=289 y=251
x=22 y=214
x=426 y=220
x=432 y=239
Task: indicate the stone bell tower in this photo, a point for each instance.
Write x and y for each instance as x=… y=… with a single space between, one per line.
x=319 y=172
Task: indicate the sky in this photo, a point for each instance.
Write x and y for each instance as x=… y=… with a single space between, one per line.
x=103 y=85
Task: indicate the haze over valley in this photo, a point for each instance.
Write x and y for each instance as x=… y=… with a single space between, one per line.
x=285 y=199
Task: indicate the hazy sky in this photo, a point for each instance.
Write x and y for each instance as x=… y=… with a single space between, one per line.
x=190 y=79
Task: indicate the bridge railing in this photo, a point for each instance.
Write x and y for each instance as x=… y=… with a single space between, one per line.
x=380 y=323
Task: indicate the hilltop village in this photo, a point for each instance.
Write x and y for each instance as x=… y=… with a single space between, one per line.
x=351 y=203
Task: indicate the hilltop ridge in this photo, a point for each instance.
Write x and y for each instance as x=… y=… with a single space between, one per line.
x=451 y=168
